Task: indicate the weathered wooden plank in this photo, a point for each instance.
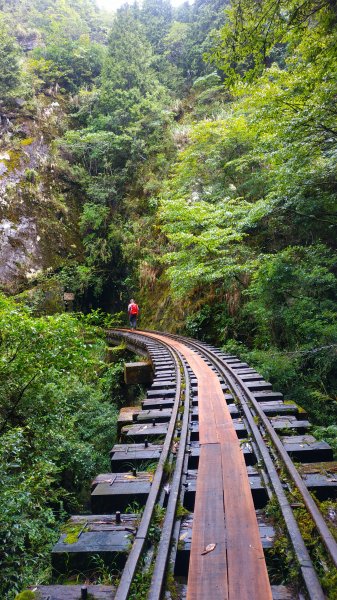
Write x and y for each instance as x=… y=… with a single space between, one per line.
x=243 y=540
x=208 y=572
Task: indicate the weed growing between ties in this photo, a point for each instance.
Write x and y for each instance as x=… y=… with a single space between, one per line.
x=181 y=511
x=326 y=571
x=134 y=508
x=172 y=586
x=281 y=561
x=323 y=565
x=142 y=581
x=97 y=572
x=169 y=467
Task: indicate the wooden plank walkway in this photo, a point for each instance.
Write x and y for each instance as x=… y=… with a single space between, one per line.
x=224 y=512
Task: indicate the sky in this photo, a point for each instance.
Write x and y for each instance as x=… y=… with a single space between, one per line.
x=113 y=4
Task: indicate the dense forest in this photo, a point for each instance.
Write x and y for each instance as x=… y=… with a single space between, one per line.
x=185 y=156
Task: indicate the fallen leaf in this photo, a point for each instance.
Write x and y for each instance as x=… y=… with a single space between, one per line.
x=183 y=536
x=209 y=548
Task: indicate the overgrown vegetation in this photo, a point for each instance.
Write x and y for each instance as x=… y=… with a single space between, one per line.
x=186 y=155
x=59 y=403
x=249 y=208
x=140 y=587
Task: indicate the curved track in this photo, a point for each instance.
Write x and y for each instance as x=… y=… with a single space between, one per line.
x=219 y=442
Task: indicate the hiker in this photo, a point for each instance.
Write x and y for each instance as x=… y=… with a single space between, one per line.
x=133 y=310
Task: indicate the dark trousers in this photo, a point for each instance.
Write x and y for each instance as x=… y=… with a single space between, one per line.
x=133 y=321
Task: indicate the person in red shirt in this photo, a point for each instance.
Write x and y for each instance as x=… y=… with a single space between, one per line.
x=133 y=310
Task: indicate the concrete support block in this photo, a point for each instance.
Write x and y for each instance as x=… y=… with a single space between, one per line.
x=138 y=372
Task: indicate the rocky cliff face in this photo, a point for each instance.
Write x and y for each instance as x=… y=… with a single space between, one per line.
x=38 y=205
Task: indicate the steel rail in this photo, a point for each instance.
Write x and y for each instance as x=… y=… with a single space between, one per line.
x=163 y=549
x=137 y=549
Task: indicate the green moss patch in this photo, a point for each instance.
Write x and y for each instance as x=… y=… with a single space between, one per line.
x=27 y=141
x=11 y=159
x=73 y=531
x=26 y=595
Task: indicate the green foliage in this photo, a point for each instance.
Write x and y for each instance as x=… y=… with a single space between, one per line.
x=209 y=321
x=328 y=434
x=156 y=16
x=68 y=63
x=202 y=209
x=176 y=44
x=124 y=128
x=63 y=38
x=293 y=296
x=218 y=206
x=252 y=39
x=9 y=60
x=249 y=207
x=181 y=511
x=58 y=345
x=141 y=585
x=31 y=175
x=58 y=422
x=93 y=218
x=208 y=17
x=98 y=318
x=207 y=81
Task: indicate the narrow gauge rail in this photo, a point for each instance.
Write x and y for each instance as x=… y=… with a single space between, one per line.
x=195 y=433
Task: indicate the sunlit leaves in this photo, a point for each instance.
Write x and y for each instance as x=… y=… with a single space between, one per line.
x=257 y=34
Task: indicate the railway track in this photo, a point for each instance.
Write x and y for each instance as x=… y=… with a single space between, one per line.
x=200 y=468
